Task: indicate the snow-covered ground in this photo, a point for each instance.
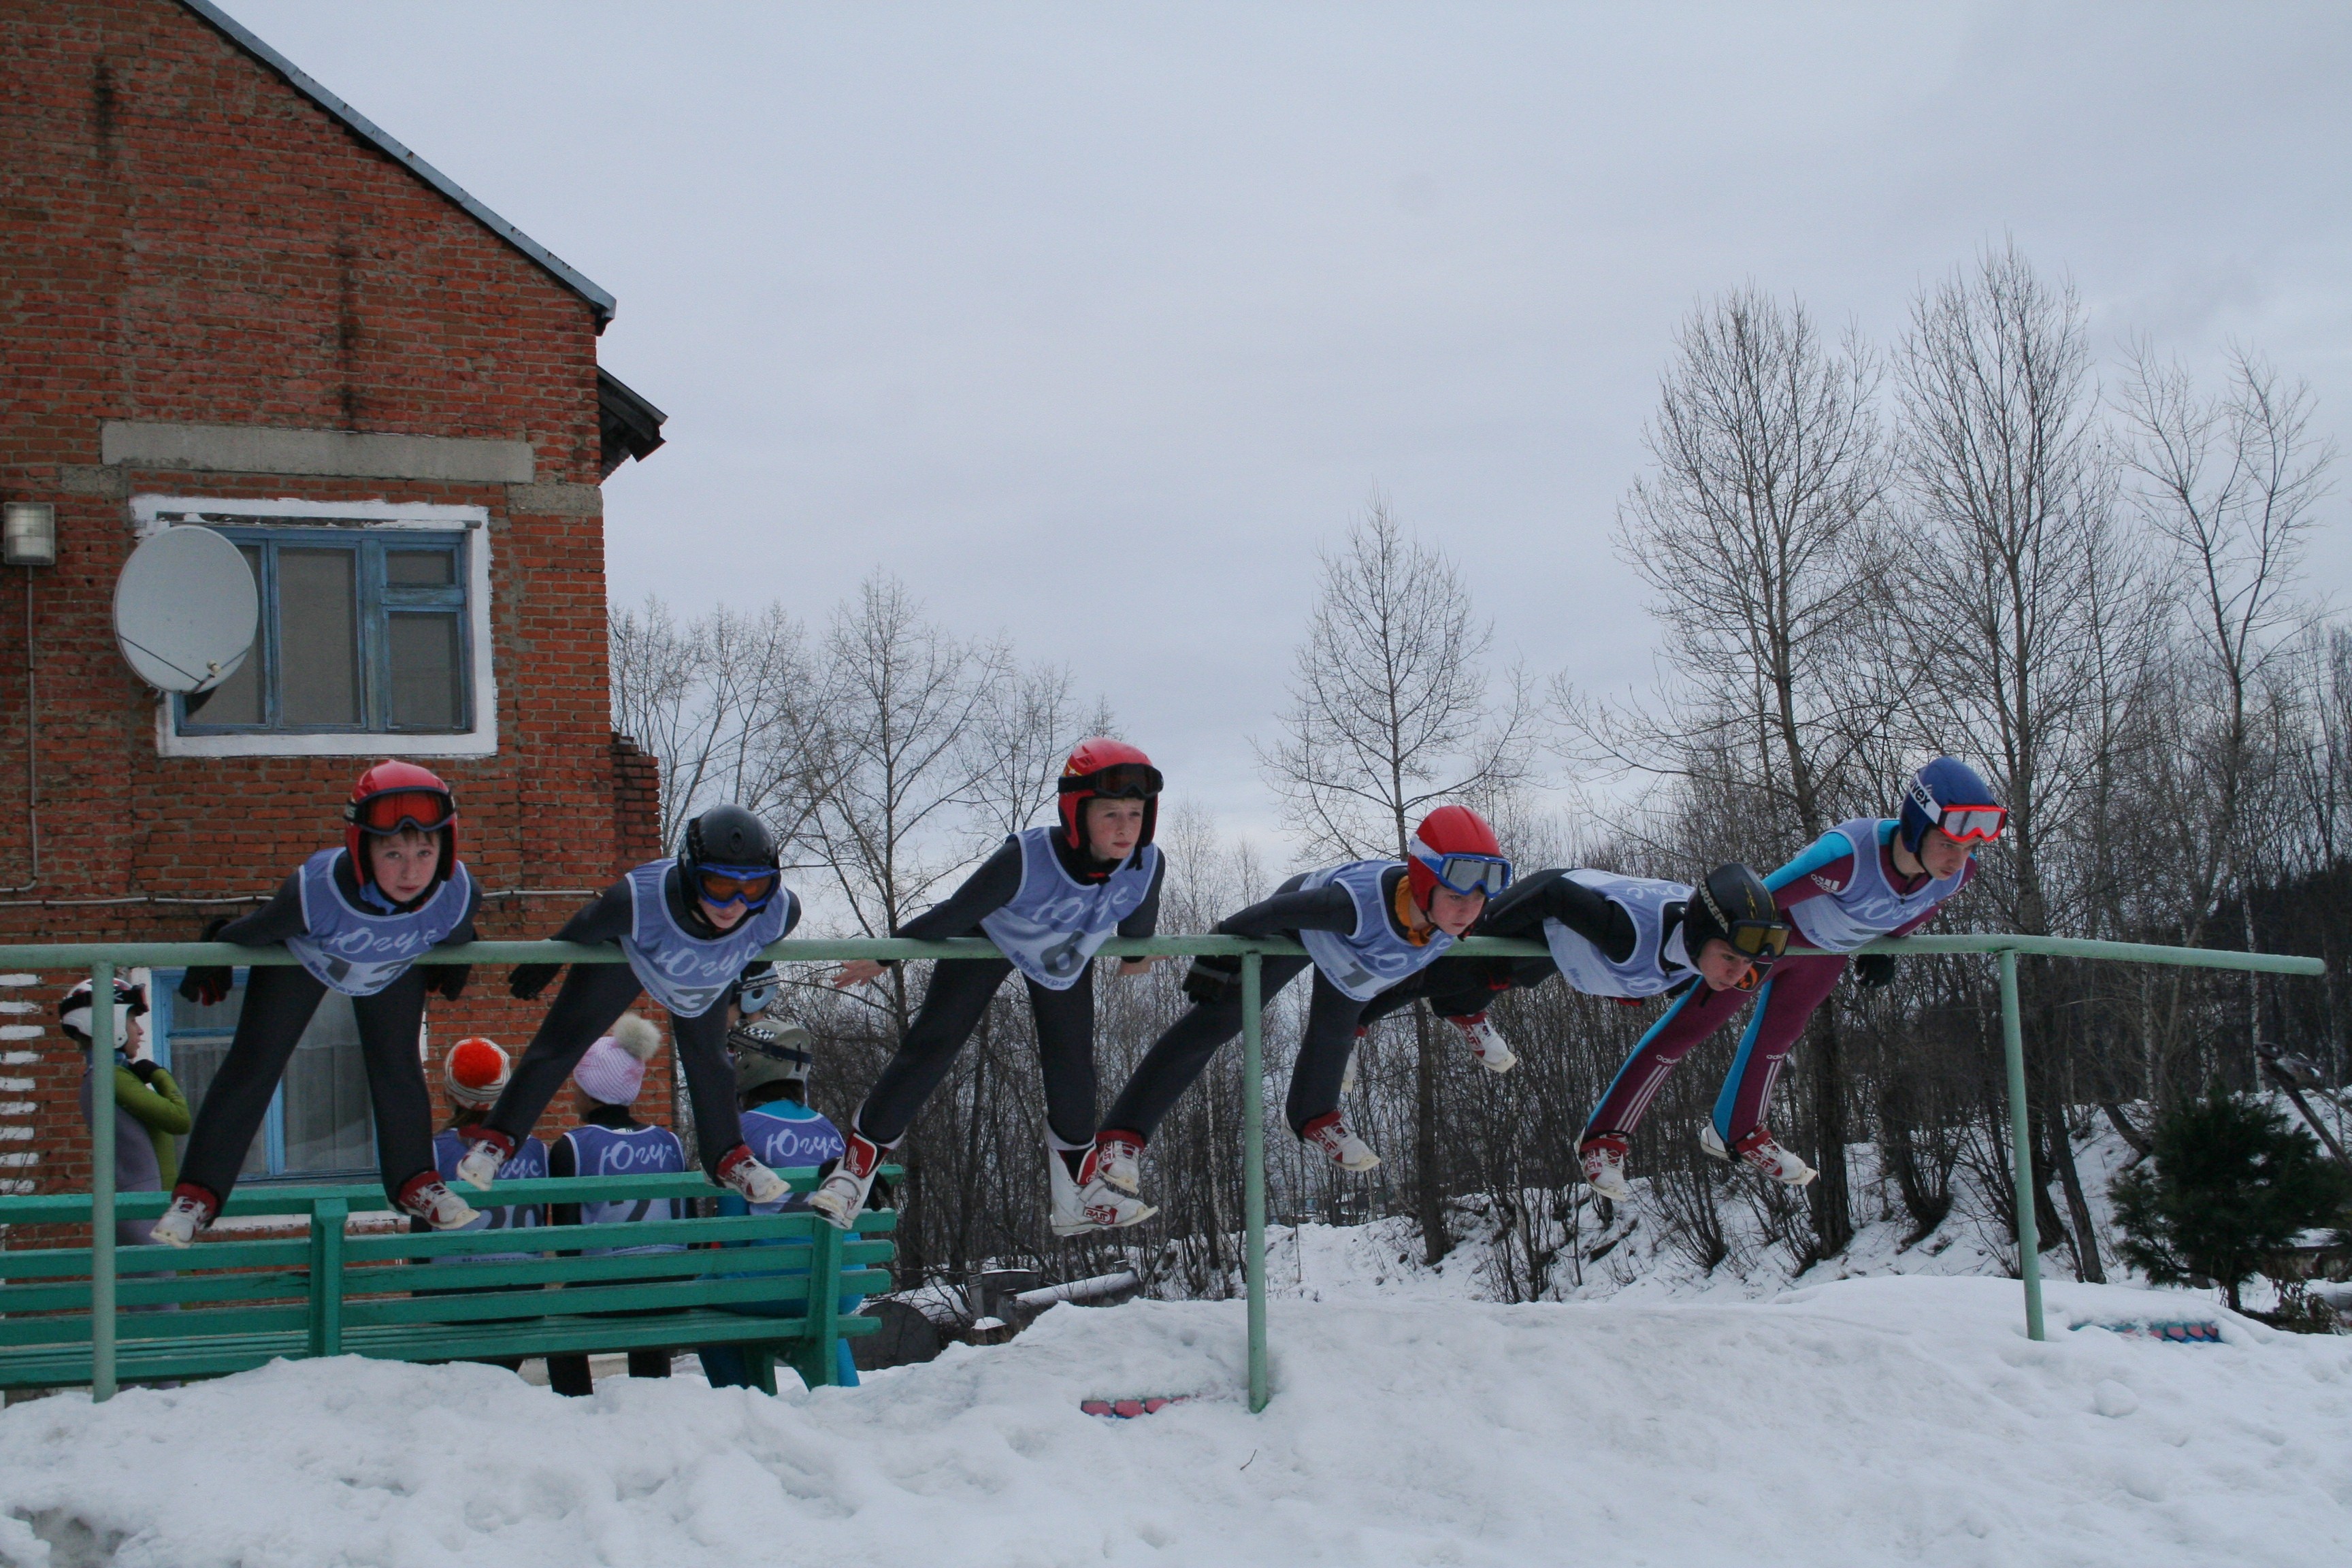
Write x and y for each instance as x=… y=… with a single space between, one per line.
x=1862 y=1421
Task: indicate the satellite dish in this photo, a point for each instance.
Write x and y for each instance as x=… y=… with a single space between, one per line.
x=186 y=609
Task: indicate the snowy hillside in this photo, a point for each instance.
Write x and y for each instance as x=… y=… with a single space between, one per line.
x=1860 y=1422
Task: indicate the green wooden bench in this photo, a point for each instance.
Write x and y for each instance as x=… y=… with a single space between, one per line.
x=242 y=1303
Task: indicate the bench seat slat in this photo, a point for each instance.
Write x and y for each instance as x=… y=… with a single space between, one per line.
x=154 y=1360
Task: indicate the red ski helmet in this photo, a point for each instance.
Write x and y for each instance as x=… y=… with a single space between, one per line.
x=1455 y=845
x=1112 y=770
x=392 y=795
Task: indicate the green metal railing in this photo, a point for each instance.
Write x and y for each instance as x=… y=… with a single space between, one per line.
x=102 y=958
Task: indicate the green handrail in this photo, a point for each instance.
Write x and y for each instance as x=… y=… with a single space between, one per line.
x=103 y=958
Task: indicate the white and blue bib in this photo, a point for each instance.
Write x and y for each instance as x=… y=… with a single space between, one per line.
x=1373 y=957
x=528 y=1164
x=1052 y=928
x=357 y=952
x=686 y=974
x=1658 y=961
x=787 y=1136
x=627 y=1152
x=1869 y=907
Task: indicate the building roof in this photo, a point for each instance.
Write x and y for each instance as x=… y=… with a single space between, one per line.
x=629 y=426
x=599 y=300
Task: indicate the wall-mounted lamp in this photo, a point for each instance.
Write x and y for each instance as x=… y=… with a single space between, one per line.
x=28 y=533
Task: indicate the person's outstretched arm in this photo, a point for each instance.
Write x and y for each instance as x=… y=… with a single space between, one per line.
x=1523 y=908
x=605 y=918
x=274 y=921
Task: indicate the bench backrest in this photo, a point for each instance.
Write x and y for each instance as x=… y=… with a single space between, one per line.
x=237 y=1302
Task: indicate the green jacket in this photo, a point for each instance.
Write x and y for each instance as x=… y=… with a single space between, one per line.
x=160 y=1107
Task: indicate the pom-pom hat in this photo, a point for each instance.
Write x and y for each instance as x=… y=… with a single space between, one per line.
x=614 y=1069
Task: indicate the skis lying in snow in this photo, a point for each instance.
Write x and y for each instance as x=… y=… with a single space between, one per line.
x=1129 y=1409
x=2179 y=1333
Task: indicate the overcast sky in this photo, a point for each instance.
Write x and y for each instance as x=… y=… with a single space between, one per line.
x=1095 y=323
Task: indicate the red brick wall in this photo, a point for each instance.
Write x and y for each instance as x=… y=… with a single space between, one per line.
x=190 y=240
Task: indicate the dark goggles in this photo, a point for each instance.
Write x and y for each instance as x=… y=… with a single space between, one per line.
x=751 y=885
x=423 y=809
x=1467 y=874
x=1120 y=781
x=1761 y=943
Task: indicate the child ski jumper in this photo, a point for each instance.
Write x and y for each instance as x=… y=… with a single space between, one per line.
x=358 y=917
x=690 y=927
x=473 y=1073
x=1861 y=882
x=1627 y=937
x=771 y=1080
x=1049 y=898
x=1367 y=925
x=611 y=1142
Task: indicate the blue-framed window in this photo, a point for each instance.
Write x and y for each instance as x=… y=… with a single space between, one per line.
x=363 y=631
x=320 y=1123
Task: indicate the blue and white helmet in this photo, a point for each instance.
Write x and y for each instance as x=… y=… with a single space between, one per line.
x=1952 y=795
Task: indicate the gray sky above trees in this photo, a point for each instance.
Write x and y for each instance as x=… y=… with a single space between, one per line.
x=1094 y=324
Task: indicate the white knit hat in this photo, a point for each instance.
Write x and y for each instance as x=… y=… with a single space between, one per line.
x=476 y=1071
x=614 y=1069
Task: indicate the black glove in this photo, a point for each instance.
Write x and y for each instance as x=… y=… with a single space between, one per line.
x=207 y=984
x=447 y=979
x=1212 y=978
x=1872 y=970
x=530 y=979
x=145 y=1070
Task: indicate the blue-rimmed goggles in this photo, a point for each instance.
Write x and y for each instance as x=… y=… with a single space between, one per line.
x=750 y=885
x=1467 y=874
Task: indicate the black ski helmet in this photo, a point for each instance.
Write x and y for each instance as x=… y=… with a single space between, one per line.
x=727 y=836
x=1732 y=905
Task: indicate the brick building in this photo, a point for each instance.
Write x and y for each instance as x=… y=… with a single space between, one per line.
x=232 y=301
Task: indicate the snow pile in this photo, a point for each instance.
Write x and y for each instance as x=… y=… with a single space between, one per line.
x=1643 y=1252
x=1856 y=1422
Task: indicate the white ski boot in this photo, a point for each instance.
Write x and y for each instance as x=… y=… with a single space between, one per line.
x=1604 y=1166
x=485 y=1157
x=1087 y=1202
x=1759 y=1149
x=428 y=1198
x=1486 y=1043
x=191 y=1210
x=1330 y=1134
x=1118 y=1159
x=840 y=1196
x=757 y=1184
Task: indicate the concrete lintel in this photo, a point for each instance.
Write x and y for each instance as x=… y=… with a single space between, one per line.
x=555 y=500
x=86 y=479
x=335 y=453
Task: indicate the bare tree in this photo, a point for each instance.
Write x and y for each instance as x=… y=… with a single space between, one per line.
x=2020 y=591
x=1389 y=713
x=729 y=704
x=907 y=697
x=1023 y=733
x=2230 y=481
x=1756 y=530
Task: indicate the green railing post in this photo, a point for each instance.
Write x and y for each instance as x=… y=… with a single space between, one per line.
x=2021 y=1137
x=102 y=1180
x=1253 y=1173
x=327 y=1216
x=824 y=1305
